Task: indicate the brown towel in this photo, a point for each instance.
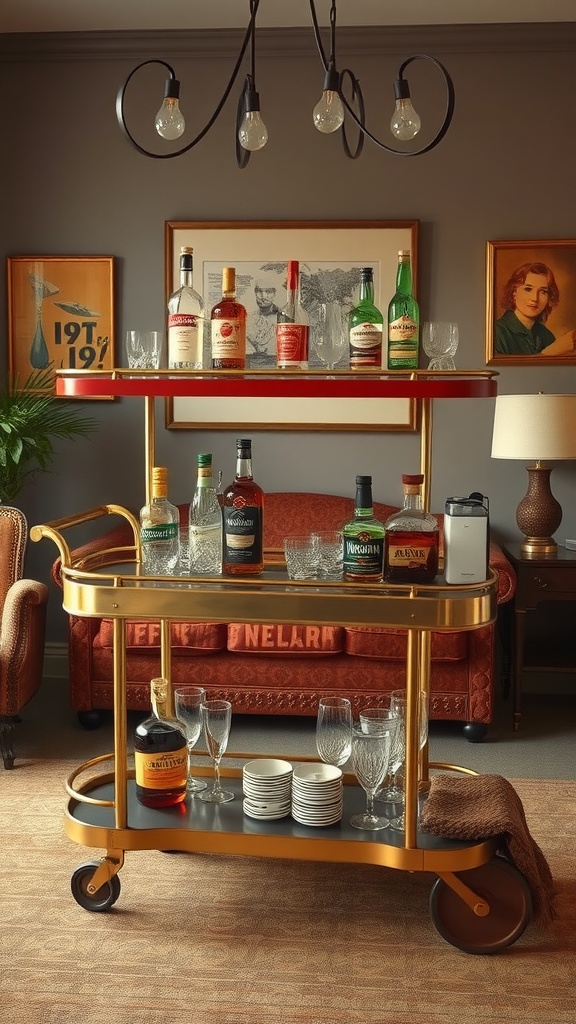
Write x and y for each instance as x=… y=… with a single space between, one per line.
x=483 y=806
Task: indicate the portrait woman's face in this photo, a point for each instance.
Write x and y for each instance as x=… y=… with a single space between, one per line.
x=531 y=298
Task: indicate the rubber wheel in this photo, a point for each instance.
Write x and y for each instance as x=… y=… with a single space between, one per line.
x=508 y=894
x=106 y=895
x=90 y=720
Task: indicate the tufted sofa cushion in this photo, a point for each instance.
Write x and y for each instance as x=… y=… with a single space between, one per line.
x=287 y=641
x=186 y=637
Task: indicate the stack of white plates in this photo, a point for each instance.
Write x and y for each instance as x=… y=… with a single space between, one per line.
x=267 y=784
x=317 y=793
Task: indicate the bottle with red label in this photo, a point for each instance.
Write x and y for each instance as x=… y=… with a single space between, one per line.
x=292 y=328
x=411 y=538
x=228 y=327
x=185 y=320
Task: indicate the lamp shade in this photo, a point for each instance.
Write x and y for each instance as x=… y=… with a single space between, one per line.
x=540 y=427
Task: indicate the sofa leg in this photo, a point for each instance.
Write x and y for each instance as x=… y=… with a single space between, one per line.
x=90 y=719
x=475 y=732
x=7 y=725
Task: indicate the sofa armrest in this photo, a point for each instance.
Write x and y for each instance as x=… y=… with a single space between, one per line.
x=506 y=573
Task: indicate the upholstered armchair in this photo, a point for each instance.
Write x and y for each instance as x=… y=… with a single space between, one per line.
x=22 y=628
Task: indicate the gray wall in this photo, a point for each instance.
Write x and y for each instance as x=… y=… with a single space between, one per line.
x=72 y=185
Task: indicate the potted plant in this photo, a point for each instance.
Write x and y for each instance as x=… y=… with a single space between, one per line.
x=31 y=416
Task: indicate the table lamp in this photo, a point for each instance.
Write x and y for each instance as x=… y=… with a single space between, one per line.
x=537 y=428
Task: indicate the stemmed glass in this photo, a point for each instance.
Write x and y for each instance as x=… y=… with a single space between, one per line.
x=370 y=753
x=329 y=336
x=440 y=341
x=188 y=702
x=398 y=704
x=334 y=730
x=216 y=719
x=390 y=792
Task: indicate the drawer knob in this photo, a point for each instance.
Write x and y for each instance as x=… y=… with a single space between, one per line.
x=540 y=582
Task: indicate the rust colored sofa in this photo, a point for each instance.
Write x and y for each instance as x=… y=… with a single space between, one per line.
x=283 y=670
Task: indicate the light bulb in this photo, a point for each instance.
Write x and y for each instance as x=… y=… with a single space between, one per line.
x=328 y=114
x=405 y=122
x=170 y=123
x=252 y=134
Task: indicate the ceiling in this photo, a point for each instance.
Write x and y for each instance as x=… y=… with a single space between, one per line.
x=111 y=15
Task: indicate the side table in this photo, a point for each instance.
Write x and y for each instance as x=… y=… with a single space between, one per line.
x=540 y=578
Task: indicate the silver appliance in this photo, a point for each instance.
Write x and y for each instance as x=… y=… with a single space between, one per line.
x=466 y=539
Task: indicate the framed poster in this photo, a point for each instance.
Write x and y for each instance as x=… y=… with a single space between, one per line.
x=330 y=255
x=531 y=303
x=60 y=313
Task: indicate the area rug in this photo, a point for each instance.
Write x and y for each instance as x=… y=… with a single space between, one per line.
x=226 y=940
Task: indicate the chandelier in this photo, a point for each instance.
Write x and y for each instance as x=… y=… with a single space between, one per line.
x=341 y=98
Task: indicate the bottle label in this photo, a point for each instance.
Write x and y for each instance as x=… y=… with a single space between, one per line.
x=411 y=557
x=159 y=532
x=402 y=339
x=166 y=770
x=242 y=534
x=363 y=554
x=366 y=345
x=184 y=339
x=228 y=338
x=292 y=343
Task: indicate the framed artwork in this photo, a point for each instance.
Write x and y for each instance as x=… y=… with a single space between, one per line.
x=60 y=313
x=330 y=255
x=531 y=302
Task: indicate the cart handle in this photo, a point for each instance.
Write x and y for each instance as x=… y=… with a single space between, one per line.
x=53 y=529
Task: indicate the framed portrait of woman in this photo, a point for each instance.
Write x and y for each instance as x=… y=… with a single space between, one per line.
x=531 y=302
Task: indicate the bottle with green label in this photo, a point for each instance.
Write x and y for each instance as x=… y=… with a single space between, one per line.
x=403 y=320
x=160 y=529
x=365 y=327
x=363 y=538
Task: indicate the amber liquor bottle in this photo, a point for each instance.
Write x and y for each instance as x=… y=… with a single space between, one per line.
x=228 y=327
x=363 y=538
x=411 y=538
x=243 y=522
x=160 y=753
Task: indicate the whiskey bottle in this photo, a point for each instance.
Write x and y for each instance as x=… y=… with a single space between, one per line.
x=160 y=753
x=242 y=512
x=185 y=320
x=403 y=319
x=292 y=327
x=411 y=538
x=160 y=529
x=363 y=537
x=365 y=327
x=228 y=327
x=205 y=523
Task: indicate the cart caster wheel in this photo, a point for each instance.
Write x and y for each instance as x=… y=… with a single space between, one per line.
x=475 y=732
x=90 y=719
x=106 y=895
x=508 y=894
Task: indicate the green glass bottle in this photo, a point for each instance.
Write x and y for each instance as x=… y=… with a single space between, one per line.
x=363 y=538
x=403 y=320
x=365 y=327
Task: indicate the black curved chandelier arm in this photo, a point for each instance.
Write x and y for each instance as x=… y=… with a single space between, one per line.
x=359 y=99
x=316 y=30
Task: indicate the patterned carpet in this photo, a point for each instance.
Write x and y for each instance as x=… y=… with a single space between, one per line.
x=198 y=939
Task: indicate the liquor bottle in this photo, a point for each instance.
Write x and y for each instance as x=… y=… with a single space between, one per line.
x=205 y=523
x=365 y=327
x=363 y=537
x=185 y=320
x=403 y=319
x=242 y=512
x=411 y=538
x=160 y=753
x=292 y=328
x=160 y=529
x=228 y=327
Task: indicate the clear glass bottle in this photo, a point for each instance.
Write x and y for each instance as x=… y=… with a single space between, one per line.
x=160 y=529
x=242 y=512
x=411 y=538
x=403 y=319
x=365 y=327
x=292 y=328
x=185 y=320
x=363 y=537
x=160 y=753
x=228 y=327
x=205 y=523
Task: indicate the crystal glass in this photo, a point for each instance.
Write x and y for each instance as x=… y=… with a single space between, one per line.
x=329 y=333
x=398 y=704
x=440 y=341
x=143 y=349
x=370 y=754
x=334 y=730
x=371 y=720
x=330 y=546
x=216 y=719
x=301 y=556
x=188 y=702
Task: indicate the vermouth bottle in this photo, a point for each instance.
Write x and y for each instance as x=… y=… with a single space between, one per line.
x=160 y=529
x=160 y=753
x=292 y=328
x=228 y=327
x=363 y=537
x=365 y=327
x=411 y=538
x=185 y=320
x=242 y=512
x=403 y=319
x=205 y=523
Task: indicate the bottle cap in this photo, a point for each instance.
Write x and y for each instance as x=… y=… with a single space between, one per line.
x=228 y=279
x=204 y=459
x=412 y=478
x=292 y=275
x=366 y=272
x=186 y=249
x=159 y=475
x=362 y=480
x=404 y=252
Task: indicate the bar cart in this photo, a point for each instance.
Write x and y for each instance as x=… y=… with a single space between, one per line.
x=479 y=902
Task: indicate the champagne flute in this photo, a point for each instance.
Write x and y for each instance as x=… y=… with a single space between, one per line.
x=329 y=337
x=188 y=702
x=398 y=703
x=334 y=730
x=370 y=753
x=216 y=719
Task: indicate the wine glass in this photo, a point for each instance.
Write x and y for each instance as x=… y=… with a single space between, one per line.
x=370 y=753
x=440 y=341
x=334 y=730
x=216 y=719
x=398 y=703
x=188 y=702
x=371 y=720
x=329 y=336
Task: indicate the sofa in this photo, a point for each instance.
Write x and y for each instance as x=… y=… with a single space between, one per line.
x=284 y=669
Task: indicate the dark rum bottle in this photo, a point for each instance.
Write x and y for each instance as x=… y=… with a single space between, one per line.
x=160 y=753
x=363 y=538
x=411 y=538
x=242 y=513
x=228 y=327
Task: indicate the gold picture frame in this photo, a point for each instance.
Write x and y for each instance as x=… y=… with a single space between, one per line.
x=252 y=245
x=60 y=314
x=531 y=302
